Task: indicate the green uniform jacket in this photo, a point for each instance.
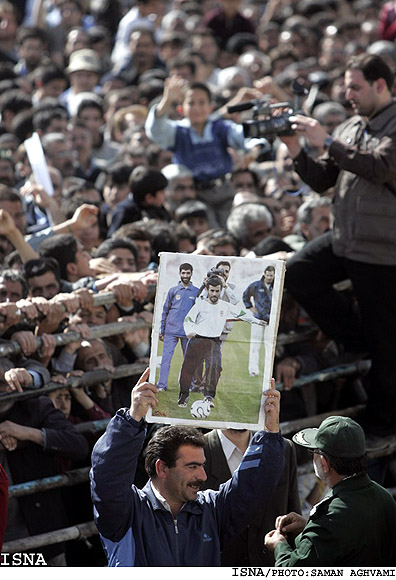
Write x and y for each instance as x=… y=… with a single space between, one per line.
x=354 y=525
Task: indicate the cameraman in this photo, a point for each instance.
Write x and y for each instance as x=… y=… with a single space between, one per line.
x=360 y=163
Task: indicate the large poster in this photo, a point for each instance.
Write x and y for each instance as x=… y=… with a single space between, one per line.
x=213 y=339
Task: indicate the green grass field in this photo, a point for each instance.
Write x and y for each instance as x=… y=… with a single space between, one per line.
x=238 y=395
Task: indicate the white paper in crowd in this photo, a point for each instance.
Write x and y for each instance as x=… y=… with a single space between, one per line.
x=38 y=163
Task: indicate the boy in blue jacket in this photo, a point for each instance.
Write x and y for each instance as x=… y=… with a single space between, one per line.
x=200 y=141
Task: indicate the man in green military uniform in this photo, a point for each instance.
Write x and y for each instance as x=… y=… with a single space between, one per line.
x=355 y=524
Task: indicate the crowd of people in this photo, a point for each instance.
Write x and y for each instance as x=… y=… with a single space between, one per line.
x=232 y=128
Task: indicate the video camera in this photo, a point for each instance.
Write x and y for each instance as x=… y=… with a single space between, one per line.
x=213 y=273
x=267 y=124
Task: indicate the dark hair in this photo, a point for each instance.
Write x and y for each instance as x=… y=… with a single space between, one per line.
x=220 y=237
x=269 y=269
x=40 y=266
x=119 y=173
x=134 y=231
x=26 y=32
x=11 y=259
x=63 y=248
x=246 y=170
x=90 y=103
x=13 y=276
x=47 y=73
x=347 y=465
x=165 y=445
x=15 y=101
x=22 y=125
x=191 y=208
x=185 y=266
x=42 y=119
x=373 y=67
x=201 y=87
x=113 y=243
x=224 y=263
x=144 y=180
x=214 y=281
x=9 y=193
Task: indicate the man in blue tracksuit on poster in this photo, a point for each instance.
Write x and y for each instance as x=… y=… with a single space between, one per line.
x=179 y=301
x=170 y=522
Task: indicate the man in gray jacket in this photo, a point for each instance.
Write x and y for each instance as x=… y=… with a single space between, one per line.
x=360 y=164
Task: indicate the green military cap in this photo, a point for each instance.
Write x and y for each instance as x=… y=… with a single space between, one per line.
x=336 y=436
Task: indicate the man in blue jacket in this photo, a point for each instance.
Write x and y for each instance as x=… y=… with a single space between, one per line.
x=179 y=301
x=170 y=522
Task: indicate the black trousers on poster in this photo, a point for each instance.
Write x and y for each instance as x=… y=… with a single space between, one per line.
x=201 y=349
x=310 y=276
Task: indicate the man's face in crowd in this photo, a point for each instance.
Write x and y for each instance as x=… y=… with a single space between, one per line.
x=15 y=209
x=362 y=95
x=7 y=175
x=142 y=47
x=82 y=260
x=269 y=276
x=114 y=193
x=62 y=400
x=89 y=237
x=214 y=294
x=320 y=223
x=144 y=253
x=93 y=355
x=185 y=276
x=197 y=224
x=182 y=189
x=244 y=182
x=225 y=250
x=32 y=51
x=54 y=88
x=92 y=118
x=123 y=260
x=258 y=231
x=82 y=141
x=83 y=81
x=94 y=317
x=184 y=480
x=10 y=291
x=45 y=285
x=57 y=126
x=61 y=157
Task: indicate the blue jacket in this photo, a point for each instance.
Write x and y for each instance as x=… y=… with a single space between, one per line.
x=178 y=303
x=136 y=530
x=262 y=299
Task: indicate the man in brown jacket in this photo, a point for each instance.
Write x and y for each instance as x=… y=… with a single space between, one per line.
x=359 y=162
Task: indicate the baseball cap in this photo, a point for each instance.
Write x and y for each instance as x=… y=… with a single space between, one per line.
x=336 y=436
x=85 y=59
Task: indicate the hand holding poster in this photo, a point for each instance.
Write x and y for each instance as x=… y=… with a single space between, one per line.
x=213 y=339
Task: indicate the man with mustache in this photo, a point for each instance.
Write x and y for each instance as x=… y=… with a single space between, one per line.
x=170 y=522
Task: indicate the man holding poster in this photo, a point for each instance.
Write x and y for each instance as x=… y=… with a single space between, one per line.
x=170 y=522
